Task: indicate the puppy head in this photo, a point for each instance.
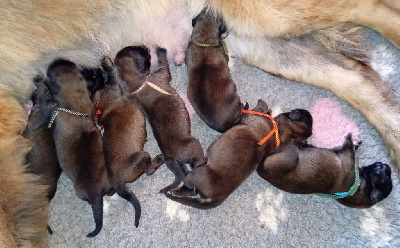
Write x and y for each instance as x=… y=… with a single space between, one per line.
x=94 y=77
x=132 y=63
x=378 y=177
x=295 y=125
x=64 y=76
x=209 y=26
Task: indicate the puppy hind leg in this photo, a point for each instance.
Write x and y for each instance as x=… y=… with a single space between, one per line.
x=156 y=162
x=140 y=163
x=175 y=168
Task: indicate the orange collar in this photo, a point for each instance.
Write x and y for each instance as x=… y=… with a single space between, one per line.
x=274 y=129
x=152 y=85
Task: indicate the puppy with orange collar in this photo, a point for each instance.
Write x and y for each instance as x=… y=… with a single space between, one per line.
x=163 y=108
x=237 y=153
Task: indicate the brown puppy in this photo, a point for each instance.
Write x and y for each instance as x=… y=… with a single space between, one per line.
x=124 y=136
x=42 y=158
x=166 y=111
x=236 y=154
x=307 y=169
x=78 y=142
x=211 y=89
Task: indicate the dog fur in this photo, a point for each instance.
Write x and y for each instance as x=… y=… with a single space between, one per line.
x=78 y=142
x=124 y=137
x=211 y=89
x=305 y=169
x=263 y=33
x=166 y=114
x=235 y=155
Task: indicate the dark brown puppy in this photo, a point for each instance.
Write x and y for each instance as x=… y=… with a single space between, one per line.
x=42 y=158
x=166 y=113
x=308 y=169
x=78 y=142
x=211 y=89
x=124 y=136
x=236 y=154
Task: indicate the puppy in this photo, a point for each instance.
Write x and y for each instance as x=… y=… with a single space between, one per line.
x=211 y=89
x=306 y=169
x=164 y=109
x=42 y=158
x=236 y=154
x=78 y=142
x=124 y=136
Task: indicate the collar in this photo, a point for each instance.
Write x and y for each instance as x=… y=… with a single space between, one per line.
x=152 y=85
x=96 y=116
x=214 y=45
x=352 y=190
x=55 y=113
x=274 y=129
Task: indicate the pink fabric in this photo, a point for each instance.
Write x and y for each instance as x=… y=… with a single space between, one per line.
x=330 y=126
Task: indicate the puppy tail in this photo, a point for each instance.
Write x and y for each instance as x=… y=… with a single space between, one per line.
x=97 y=208
x=128 y=195
x=200 y=203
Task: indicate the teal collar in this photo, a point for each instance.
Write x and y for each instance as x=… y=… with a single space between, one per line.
x=352 y=190
x=215 y=45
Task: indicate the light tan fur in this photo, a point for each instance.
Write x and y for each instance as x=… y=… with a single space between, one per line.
x=23 y=202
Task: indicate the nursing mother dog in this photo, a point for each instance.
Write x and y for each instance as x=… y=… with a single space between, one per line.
x=283 y=37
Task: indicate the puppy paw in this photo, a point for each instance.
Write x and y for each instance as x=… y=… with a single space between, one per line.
x=156 y=162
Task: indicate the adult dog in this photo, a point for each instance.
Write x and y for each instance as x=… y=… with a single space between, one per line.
x=263 y=33
x=23 y=202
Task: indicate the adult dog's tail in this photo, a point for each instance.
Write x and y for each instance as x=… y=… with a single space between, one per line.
x=200 y=203
x=128 y=195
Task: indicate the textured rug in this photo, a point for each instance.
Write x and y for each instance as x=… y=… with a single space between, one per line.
x=256 y=214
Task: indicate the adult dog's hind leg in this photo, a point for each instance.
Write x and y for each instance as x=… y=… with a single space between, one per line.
x=381 y=15
x=306 y=60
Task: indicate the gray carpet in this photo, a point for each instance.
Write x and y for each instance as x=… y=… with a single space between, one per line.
x=256 y=214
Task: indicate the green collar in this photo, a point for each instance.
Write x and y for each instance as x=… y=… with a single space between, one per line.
x=215 y=45
x=352 y=190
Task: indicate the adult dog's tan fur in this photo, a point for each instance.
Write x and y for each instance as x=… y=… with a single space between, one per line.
x=23 y=203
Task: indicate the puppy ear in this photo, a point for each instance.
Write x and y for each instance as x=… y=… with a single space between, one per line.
x=376 y=196
x=140 y=64
x=51 y=83
x=222 y=27
x=294 y=116
x=194 y=20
